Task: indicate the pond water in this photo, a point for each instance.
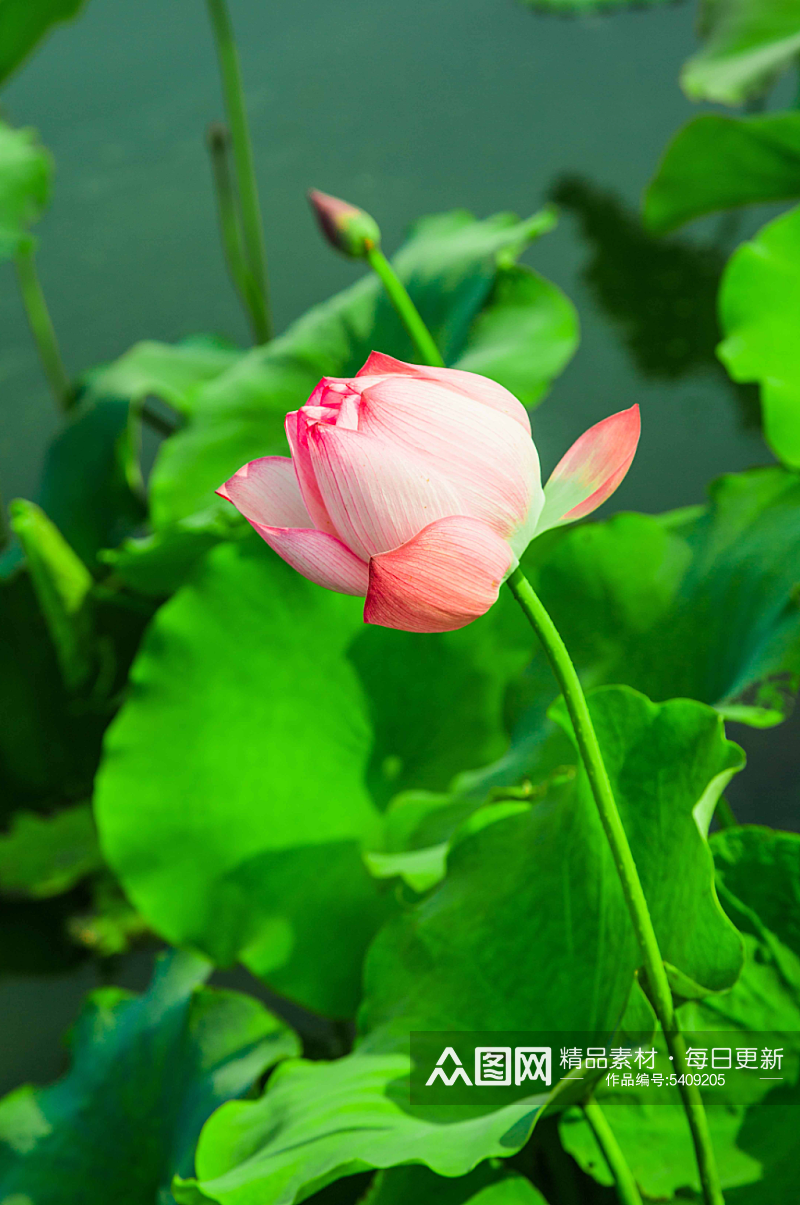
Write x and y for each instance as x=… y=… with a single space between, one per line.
x=405 y=109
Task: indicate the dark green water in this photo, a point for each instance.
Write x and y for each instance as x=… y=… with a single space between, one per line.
x=406 y=108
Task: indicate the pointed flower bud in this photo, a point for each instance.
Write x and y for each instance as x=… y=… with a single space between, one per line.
x=347 y=228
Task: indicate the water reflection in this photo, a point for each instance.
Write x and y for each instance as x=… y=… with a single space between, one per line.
x=661 y=293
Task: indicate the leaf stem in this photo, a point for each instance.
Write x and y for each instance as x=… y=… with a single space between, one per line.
x=41 y=325
x=247 y=191
x=408 y=312
x=219 y=144
x=657 y=982
x=627 y=1189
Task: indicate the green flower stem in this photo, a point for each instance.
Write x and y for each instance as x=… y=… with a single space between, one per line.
x=657 y=982
x=41 y=325
x=627 y=1190
x=408 y=312
x=219 y=144
x=249 y=208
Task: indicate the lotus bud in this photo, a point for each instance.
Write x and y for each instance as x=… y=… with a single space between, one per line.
x=347 y=228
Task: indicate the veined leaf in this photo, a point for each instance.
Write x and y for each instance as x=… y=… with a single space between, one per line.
x=146 y=1072
x=265 y=701
x=701 y=606
x=495 y=947
x=23 y=23
x=170 y=371
x=759 y=303
x=321 y=1121
x=755 y=1145
x=486 y=949
x=747 y=44
x=717 y=162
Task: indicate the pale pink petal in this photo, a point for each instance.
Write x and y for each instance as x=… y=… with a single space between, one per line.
x=440 y=580
x=591 y=470
x=379 y=364
x=297 y=427
x=266 y=491
x=319 y=557
x=488 y=458
x=334 y=400
x=480 y=389
x=377 y=495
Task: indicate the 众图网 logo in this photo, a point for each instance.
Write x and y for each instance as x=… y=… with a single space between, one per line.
x=494 y=1066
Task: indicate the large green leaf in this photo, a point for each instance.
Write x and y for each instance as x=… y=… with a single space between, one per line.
x=483 y=311
x=759 y=880
x=321 y=1121
x=489 y=1184
x=146 y=1073
x=717 y=162
x=23 y=23
x=233 y=800
x=486 y=949
x=699 y=603
x=25 y=171
x=527 y=901
x=759 y=303
x=704 y=608
x=158 y=564
x=748 y=43
x=172 y=372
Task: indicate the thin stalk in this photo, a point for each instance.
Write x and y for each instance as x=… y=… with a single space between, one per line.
x=408 y=312
x=219 y=144
x=657 y=982
x=42 y=326
x=249 y=207
x=627 y=1189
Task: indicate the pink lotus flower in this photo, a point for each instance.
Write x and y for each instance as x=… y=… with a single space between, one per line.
x=419 y=488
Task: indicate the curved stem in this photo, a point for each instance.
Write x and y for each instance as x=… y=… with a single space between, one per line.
x=408 y=312
x=41 y=325
x=627 y=1190
x=250 y=209
x=657 y=982
x=219 y=143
